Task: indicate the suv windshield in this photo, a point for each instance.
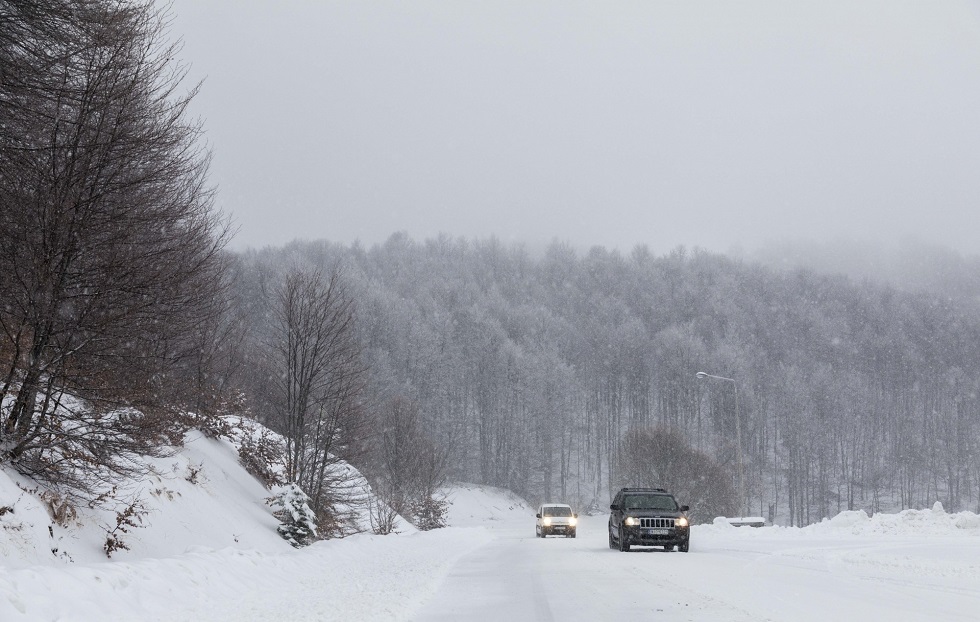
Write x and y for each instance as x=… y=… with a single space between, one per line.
x=649 y=502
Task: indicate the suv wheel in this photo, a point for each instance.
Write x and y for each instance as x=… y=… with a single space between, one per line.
x=612 y=543
x=683 y=547
x=624 y=544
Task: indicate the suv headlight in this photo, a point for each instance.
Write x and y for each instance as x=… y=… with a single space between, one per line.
x=680 y=522
x=632 y=521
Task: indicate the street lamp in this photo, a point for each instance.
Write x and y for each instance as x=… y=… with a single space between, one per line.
x=738 y=436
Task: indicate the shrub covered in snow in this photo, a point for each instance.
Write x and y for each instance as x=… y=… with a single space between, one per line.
x=298 y=520
x=429 y=513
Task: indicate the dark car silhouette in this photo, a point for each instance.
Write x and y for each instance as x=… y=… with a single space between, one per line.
x=648 y=517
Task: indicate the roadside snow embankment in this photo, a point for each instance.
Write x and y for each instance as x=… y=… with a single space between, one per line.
x=471 y=505
x=205 y=548
x=929 y=548
x=200 y=496
x=932 y=522
x=363 y=577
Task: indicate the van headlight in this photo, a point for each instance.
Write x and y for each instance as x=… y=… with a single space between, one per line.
x=547 y=521
x=680 y=522
x=573 y=521
x=632 y=521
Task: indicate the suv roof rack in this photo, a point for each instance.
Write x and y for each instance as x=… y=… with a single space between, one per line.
x=644 y=490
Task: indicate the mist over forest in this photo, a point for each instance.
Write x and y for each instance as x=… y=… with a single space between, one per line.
x=536 y=371
x=909 y=265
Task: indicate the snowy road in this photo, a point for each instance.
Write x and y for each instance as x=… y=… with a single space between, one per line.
x=730 y=574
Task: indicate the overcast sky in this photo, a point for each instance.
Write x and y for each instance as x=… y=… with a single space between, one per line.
x=712 y=124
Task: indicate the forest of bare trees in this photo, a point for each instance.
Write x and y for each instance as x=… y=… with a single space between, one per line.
x=534 y=370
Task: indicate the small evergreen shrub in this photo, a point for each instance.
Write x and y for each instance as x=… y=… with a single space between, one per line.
x=293 y=511
x=429 y=513
x=261 y=454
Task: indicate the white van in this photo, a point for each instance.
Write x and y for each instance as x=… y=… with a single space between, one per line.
x=555 y=519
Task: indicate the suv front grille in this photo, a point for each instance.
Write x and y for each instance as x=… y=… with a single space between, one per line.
x=659 y=523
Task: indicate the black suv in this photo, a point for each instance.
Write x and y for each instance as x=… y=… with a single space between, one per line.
x=648 y=517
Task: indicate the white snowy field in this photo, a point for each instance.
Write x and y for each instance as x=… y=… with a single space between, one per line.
x=208 y=551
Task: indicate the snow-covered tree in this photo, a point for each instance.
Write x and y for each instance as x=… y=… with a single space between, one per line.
x=319 y=378
x=293 y=510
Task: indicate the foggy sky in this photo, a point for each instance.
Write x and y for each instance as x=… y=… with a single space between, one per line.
x=711 y=124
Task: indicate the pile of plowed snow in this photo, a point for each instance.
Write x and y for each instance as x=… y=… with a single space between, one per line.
x=934 y=522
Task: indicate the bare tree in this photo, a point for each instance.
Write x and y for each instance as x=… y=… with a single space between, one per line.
x=412 y=467
x=318 y=380
x=662 y=457
x=111 y=251
x=209 y=378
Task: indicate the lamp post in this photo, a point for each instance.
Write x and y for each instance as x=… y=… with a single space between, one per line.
x=738 y=436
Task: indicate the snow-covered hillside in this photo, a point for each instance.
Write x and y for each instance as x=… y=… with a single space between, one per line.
x=200 y=496
x=206 y=548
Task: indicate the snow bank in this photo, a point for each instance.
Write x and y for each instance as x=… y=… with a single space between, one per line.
x=206 y=548
x=24 y=521
x=485 y=506
x=201 y=496
x=934 y=522
x=364 y=577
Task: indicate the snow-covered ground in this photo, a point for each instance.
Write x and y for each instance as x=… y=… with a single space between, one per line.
x=208 y=551
x=916 y=565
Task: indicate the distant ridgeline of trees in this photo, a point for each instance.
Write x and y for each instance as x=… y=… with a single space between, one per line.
x=563 y=377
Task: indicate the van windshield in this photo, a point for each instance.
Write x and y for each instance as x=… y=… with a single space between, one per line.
x=557 y=511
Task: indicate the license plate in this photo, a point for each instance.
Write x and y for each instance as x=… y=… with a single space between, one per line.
x=657 y=532
x=559 y=528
